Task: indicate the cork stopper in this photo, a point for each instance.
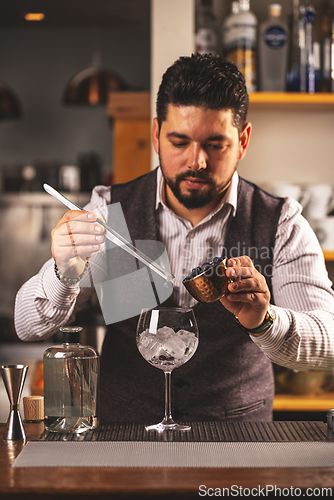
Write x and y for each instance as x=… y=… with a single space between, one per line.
x=33 y=408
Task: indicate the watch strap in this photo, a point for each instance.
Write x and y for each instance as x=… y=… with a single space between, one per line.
x=265 y=325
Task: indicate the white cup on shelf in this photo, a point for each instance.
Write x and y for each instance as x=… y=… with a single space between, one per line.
x=69 y=178
x=320 y=202
x=324 y=230
x=287 y=189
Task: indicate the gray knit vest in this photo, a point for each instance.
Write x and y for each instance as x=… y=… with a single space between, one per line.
x=228 y=378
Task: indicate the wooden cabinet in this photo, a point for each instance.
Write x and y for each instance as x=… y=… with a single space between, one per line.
x=131 y=126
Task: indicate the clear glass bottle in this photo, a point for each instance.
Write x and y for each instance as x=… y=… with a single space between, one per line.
x=310 y=61
x=327 y=46
x=296 y=30
x=206 y=36
x=71 y=385
x=229 y=26
x=302 y=74
x=273 y=51
x=242 y=45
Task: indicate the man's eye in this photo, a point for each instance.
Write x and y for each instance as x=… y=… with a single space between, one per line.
x=215 y=146
x=179 y=144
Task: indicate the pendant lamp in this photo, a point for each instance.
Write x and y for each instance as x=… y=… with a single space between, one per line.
x=91 y=86
x=9 y=103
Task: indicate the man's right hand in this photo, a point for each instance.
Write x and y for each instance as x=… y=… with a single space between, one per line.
x=75 y=238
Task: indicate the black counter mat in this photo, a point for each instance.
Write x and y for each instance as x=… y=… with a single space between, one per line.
x=204 y=432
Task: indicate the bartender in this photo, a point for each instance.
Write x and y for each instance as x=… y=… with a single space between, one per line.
x=280 y=307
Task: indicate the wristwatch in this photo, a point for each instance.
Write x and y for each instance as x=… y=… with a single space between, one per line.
x=267 y=322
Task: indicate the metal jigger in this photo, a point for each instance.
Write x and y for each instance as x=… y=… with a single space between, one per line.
x=14 y=377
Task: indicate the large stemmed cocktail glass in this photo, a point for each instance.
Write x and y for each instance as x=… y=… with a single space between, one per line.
x=167 y=337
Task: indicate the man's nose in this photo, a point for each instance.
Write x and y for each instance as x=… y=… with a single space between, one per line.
x=198 y=160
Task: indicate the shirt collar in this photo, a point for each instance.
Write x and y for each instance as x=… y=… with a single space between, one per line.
x=230 y=197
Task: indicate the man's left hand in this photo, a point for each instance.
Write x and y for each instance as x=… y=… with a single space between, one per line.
x=249 y=295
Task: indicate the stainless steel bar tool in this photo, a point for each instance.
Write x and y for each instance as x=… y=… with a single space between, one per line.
x=14 y=377
x=115 y=237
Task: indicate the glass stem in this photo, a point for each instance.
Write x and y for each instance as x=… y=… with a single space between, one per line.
x=168 y=402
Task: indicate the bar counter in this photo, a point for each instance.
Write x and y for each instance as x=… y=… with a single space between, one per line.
x=145 y=483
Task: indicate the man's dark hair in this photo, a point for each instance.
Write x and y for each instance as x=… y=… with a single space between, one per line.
x=203 y=80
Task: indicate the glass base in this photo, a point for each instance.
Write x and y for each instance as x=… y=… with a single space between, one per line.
x=170 y=426
x=71 y=424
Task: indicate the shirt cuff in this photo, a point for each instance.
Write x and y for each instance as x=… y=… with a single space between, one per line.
x=272 y=339
x=60 y=295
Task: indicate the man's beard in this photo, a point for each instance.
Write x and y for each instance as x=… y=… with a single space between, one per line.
x=195 y=198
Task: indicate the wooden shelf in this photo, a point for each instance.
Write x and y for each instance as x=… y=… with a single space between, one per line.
x=292 y=402
x=39 y=198
x=329 y=255
x=320 y=101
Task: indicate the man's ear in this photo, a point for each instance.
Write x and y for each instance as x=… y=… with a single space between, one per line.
x=155 y=135
x=244 y=140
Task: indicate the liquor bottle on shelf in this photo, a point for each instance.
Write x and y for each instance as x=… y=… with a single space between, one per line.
x=230 y=25
x=303 y=65
x=310 y=63
x=241 y=47
x=327 y=47
x=273 y=51
x=206 y=36
x=293 y=76
x=317 y=65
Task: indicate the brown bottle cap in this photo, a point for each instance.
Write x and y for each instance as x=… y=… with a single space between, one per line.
x=33 y=408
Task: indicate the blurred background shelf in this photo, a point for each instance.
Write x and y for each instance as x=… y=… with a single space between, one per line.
x=329 y=256
x=291 y=100
x=314 y=403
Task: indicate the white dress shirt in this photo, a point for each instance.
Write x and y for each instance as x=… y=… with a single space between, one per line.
x=302 y=336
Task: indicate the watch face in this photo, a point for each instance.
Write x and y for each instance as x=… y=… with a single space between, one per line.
x=271 y=316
